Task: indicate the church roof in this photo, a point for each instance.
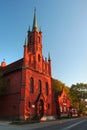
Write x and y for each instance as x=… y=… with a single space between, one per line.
x=12 y=67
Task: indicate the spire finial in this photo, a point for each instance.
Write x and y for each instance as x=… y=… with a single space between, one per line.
x=34 y=9
x=35 y=25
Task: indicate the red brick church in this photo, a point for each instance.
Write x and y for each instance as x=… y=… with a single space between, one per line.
x=26 y=85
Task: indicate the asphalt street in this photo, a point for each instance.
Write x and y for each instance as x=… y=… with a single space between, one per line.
x=73 y=124
x=69 y=124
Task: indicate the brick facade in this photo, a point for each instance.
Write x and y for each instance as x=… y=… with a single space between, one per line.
x=62 y=104
x=27 y=83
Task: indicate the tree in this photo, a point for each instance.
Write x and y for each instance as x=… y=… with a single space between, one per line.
x=78 y=94
x=58 y=85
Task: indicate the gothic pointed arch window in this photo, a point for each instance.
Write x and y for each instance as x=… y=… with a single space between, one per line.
x=38 y=39
x=39 y=86
x=31 y=85
x=39 y=57
x=47 y=91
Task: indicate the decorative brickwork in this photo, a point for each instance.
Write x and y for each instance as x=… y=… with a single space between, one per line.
x=27 y=85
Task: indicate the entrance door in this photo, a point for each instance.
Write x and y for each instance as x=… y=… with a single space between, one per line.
x=41 y=108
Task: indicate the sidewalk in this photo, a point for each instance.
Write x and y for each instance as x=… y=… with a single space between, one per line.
x=4 y=123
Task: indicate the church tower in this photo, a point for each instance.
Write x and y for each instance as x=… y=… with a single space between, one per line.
x=33 y=47
x=33 y=57
x=36 y=75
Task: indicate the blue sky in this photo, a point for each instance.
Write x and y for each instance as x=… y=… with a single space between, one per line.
x=64 y=28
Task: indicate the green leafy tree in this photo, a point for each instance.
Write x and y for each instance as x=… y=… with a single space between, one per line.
x=78 y=94
x=58 y=85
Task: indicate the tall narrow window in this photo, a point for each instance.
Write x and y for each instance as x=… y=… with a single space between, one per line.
x=39 y=86
x=38 y=39
x=31 y=39
x=39 y=57
x=64 y=109
x=48 y=106
x=31 y=85
x=61 y=109
x=29 y=104
x=47 y=88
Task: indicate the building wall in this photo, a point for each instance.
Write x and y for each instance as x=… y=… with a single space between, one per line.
x=31 y=106
x=64 y=103
x=18 y=100
x=9 y=101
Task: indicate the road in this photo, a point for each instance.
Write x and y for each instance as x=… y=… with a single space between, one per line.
x=70 y=124
x=78 y=124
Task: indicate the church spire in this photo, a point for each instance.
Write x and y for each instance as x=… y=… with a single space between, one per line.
x=35 y=25
x=25 y=42
x=49 y=57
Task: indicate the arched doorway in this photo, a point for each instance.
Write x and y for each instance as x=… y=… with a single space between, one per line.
x=41 y=108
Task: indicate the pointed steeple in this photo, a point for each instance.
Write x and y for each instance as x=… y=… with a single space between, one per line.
x=49 y=57
x=35 y=25
x=25 y=42
x=40 y=30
